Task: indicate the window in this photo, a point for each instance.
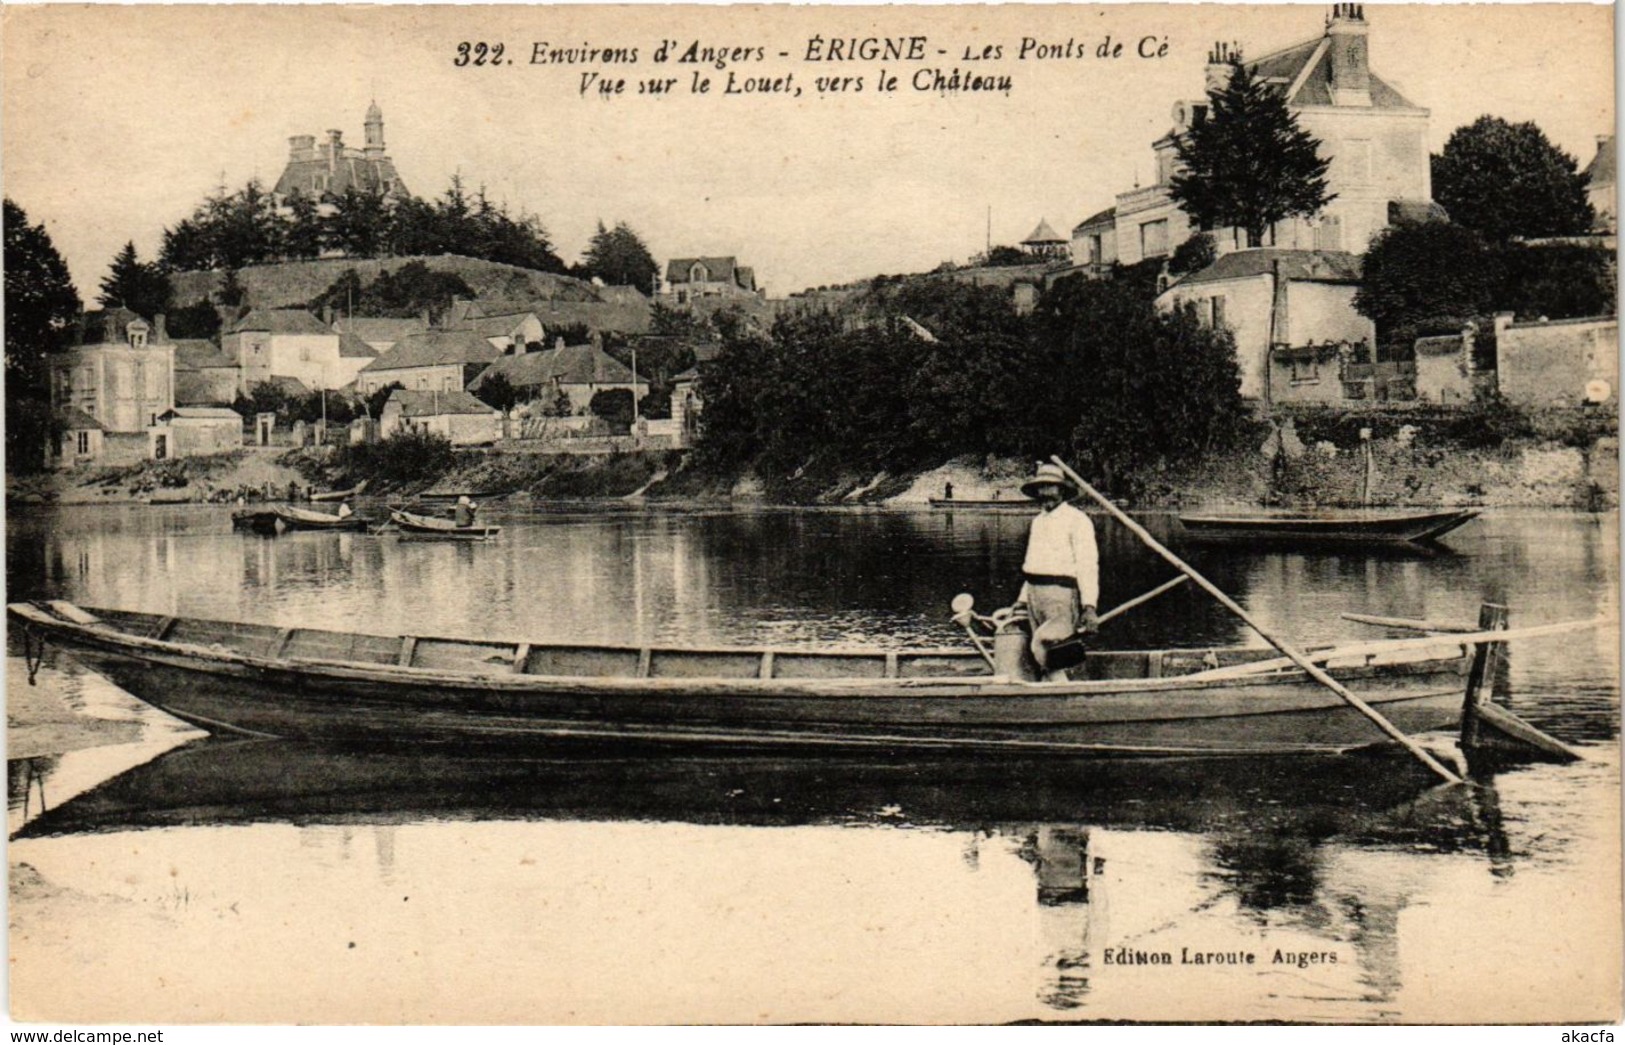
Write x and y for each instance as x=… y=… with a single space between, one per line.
x=1305 y=370
x=1154 y=238
x=1216 y=313
x=304 y=353
x=84 y=442
x=1329 y=233
x=1096 y=251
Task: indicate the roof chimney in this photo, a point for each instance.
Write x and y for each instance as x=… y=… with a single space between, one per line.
x=110 y=329
x=160 y=330
x=1218 y=65
x=1349 y=55
x=335 y=146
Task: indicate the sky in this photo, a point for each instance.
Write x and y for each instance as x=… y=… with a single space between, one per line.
x=119 y=120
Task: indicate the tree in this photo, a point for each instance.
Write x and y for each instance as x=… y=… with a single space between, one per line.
x=41 y=305
x=619 y=258
x=1425 y=279
x=1506 y=179
x=136 y=285
x=361 y=224
x=497 y=391
x=1193 y=255
x=614 y=405
x=1002 y=256
x=1558 y=281
x=303 y=230
x=1248 y=164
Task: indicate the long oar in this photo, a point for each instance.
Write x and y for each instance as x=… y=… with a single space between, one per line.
x=1285 y=647
x=1140 y=599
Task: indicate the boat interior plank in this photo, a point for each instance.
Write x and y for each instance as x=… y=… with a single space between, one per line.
x=666 y=663
x=788 y=665
x=317 y=644
x=587 y=661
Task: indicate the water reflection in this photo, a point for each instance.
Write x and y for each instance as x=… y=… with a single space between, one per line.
x=974 y=890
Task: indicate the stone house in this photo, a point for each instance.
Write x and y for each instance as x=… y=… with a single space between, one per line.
x=125 y=379
x=1094 y=242
x=579 y=371
x=280 y=342
x=435 y=360
x=454 y=414
x=1283 y=308
x=192 y=431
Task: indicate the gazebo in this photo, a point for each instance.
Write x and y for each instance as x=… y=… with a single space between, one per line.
x=1044 y=242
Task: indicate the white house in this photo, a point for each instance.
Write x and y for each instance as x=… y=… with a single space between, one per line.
x=191 y=431
x=284 y=342
x=1293 y=303
x=124 y=380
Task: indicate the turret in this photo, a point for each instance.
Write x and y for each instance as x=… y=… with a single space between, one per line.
x=1218 y=65
x=374 y=132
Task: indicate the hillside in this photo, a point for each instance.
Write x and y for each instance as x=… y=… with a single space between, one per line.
x=293 y=283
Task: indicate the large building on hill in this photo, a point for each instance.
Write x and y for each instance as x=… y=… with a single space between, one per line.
x=333 y=167
x=1374 y=137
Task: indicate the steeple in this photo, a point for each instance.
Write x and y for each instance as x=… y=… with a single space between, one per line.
x=374 y=131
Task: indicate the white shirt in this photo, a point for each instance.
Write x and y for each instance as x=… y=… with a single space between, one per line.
x=1062 y=544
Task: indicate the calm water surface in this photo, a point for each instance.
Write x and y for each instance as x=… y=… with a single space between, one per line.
x=264 y=882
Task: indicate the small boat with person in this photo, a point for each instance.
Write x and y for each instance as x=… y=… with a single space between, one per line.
x=426 y=527
x=280 y=518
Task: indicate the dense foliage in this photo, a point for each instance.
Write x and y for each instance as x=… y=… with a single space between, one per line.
x=1432 y=278
x=411 y=290
x=1248 y=164
x=914 y=373
x=249 y=227
x=40 y=305
x=140 y=286
x=1505 y=179
x=1425 y=279
x=404 y=457
x=619 y=257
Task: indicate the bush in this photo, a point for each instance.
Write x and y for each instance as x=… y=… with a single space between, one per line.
x=413 y=456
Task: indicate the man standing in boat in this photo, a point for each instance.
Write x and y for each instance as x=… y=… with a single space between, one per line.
x=1061 y=572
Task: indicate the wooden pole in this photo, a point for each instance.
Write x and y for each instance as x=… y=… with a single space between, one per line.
x=1491 y=617
x=1286 y=648
x=1138 y=600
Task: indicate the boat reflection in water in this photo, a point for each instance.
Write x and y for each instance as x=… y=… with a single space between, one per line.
x=1117 y=850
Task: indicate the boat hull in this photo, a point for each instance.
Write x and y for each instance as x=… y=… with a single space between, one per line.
x=1328 y=528
x=360 y=703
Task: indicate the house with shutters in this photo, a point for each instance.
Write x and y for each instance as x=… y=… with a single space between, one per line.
x=435 y=360
x=691 y=279
x=122 y=376
x=1374 y=137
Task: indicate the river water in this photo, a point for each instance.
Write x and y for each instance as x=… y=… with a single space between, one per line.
x=159 y=876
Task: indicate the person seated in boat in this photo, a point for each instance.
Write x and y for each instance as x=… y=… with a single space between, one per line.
x=463 y=514
x=345 y=511
x=1061 y=572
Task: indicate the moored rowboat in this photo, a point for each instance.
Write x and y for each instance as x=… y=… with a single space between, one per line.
x=341 y=495
x=331 y=686
x=281 y=517
x=422 y=527
x=1353 y=526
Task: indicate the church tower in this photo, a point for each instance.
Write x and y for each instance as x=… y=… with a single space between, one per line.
x=375 y=132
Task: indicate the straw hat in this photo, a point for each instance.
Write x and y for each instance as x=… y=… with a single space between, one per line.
x=1047 y=475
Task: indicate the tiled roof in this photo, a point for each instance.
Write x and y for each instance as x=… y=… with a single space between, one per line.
x=280 y=321
x=352 y=346
x=1105 y=217
x=195 y=354
x=498 y=326
x=193 y=389
x=1286 y=66
x=570 y=365
x=435 y=348
x=415 y=403
x=1314 y=266
x=379 y=328
x=76 y=420
x=717 y=270
x=1043 y=234
x=292 y=386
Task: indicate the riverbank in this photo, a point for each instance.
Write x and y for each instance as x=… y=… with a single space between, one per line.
x=1411 y=467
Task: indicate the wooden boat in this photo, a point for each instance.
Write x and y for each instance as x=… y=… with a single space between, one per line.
x=968 y=504
x=332 y=686
x=342 y=495
x=279 y=518
x=426 y=527
x=1348 y=527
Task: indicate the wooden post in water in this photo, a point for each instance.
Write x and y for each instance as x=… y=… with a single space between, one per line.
x=1287 y=649
x=1491 y=617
